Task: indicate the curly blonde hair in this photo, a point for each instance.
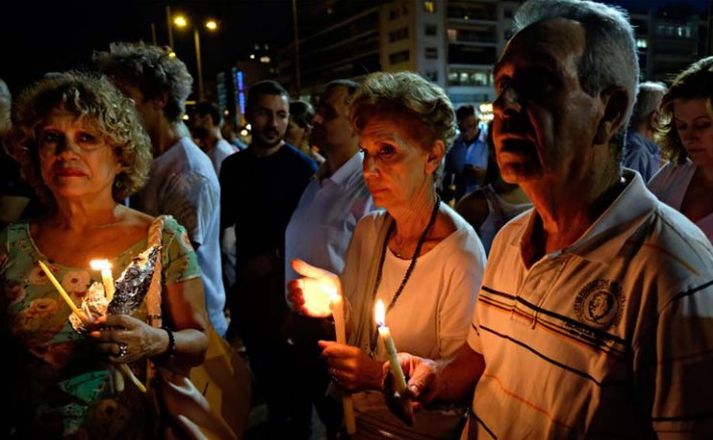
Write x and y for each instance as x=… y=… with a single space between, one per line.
x=408 y=98
x=696 y=82
x=83 y=95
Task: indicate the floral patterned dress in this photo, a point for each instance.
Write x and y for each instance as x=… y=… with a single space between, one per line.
x=61 y=387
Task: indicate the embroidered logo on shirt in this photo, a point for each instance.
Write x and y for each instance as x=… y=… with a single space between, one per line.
x=599 y=303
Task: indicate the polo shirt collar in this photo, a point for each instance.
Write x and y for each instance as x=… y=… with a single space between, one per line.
x=606 y=236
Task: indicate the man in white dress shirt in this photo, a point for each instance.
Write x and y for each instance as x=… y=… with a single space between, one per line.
x=320 y=230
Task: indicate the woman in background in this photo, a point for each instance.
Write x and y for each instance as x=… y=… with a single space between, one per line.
x=686 y=182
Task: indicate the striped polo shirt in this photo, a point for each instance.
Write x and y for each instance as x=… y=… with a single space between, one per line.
x=611 y=337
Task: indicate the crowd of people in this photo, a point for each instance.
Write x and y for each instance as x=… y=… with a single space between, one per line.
x=546 y=275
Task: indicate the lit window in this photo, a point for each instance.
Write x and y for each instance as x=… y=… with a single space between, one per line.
x=641 y=43
x=264 y=59
x=452 y=35
x=429 y=7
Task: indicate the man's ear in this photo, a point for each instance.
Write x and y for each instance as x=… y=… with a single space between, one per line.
x=435 y=156
x=653 y=121
x=616 y=100
x=160 y=101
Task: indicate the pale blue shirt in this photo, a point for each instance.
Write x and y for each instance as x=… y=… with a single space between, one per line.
x=183 y=183
x=474 y=153
x=321 y=227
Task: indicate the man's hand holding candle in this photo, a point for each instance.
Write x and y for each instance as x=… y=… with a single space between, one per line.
x=312 y=294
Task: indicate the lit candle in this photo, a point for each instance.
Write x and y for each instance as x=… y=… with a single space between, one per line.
x=62 y=292
x=385 y=336
x=107 y=279
x=337 y=306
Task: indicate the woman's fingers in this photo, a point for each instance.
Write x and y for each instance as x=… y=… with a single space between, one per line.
x=305 y=269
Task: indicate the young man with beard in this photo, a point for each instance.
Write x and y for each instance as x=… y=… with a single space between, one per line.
x=594 y=317
x=260 y=189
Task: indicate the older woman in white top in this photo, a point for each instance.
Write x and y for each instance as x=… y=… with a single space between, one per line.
x=686 y=182
x=418 y=256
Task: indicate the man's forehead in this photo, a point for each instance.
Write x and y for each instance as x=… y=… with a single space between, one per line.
x=335 y=96
x=272 y=101
x=548 y=41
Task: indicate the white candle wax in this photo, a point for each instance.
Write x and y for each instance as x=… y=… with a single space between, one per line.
x=337 y=306
x=385 y=336
x=394 y=365
x=107 y=279
x=63 y=293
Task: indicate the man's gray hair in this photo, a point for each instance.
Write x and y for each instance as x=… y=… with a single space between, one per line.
x=610 y=53
x=648 y=100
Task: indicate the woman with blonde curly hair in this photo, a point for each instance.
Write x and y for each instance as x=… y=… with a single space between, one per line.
x=419 y=257
x=686 y=182
x=81 y=146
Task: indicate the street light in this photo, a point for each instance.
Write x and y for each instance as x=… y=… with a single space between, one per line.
x=212 y=25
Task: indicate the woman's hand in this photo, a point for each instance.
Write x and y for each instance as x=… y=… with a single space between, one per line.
x=125 y=339
x=351 y=368
x=312 y=294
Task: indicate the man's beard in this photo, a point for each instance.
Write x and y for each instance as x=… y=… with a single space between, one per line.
x=266 y=141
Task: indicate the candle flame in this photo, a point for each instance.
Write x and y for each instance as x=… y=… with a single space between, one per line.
x=333 y=294
x=100 y=264
x=379 y=313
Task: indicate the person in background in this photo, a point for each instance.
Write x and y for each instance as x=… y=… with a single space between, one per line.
x=81 y=146
x=230 y=134
x=319 y=232
x=594 y=319
x=261 y=188
x=417 y=255
x=182 y=181
x=640 y=151
x=299 y=129
x=487 y=209
x=207 y=121
x=14 y=195
x=686 y=182
x=467 y=160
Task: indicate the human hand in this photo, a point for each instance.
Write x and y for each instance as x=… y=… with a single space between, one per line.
x=421 y=374
x=351 y=368
x=125 y=339
x=312 y=294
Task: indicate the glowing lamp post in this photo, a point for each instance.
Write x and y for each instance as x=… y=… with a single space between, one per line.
x=181 y=22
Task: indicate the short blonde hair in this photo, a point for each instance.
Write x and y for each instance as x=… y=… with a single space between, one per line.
x=696 y=82
x=406 y=97
x=84 y=95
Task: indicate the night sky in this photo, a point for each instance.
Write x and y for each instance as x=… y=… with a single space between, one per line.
x=42 y=36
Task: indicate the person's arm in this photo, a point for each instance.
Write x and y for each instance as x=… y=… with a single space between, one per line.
x=672 y=368
x=449 y=380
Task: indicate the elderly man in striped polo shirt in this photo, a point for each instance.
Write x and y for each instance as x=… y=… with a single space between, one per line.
x=596 y=313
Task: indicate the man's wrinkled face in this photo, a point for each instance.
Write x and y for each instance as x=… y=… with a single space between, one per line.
x=269 y=120
x=544 y=123
x=331 y=129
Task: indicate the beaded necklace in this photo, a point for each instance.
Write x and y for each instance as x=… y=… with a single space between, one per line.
x=409 y=270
